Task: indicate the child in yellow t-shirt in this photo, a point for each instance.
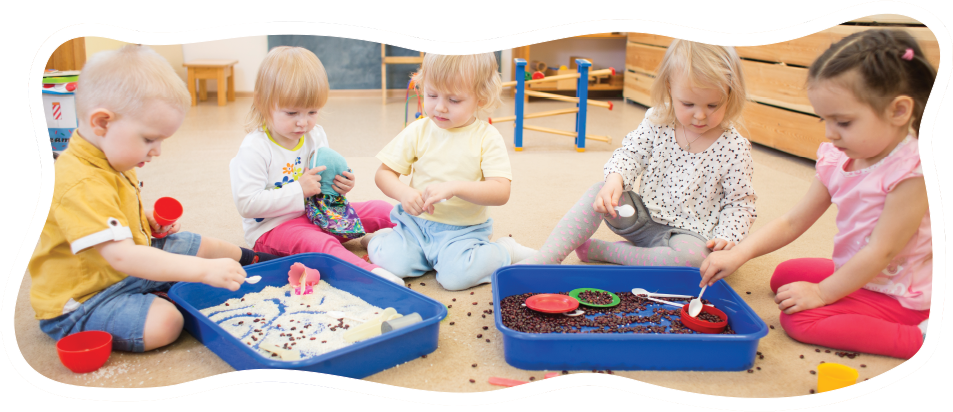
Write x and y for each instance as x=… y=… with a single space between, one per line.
x=94 y=268
x=460 y=167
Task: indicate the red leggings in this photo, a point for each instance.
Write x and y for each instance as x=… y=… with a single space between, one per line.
x=863 y=321
x=299 y=235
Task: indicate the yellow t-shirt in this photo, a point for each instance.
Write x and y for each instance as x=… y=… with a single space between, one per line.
x=92 y=204
x=434 y=155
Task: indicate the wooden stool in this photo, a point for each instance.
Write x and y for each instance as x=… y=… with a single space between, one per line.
x=212 y=69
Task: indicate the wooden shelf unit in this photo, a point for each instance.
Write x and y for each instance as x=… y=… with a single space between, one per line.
x=524 y=53
x=778 y=113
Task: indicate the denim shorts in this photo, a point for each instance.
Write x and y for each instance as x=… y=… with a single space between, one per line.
x=121 y=309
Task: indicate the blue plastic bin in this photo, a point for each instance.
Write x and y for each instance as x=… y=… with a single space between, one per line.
x=626 y=351
x=357 y=360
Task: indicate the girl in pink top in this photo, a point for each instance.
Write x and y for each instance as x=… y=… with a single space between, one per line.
x=874 y=296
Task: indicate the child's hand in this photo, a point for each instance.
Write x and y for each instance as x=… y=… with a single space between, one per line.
x=344 y=184
x=156 y=229
x=412 y=201
x=223 y=273
x=436 y=193
x=310 y=181
x=719 y=265
x=719 y=244
x=797 y=296
x=608 y=197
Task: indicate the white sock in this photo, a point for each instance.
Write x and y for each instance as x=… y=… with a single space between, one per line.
x=366 y=240
x=387 y=275
x=923 y=327
x=517 y=251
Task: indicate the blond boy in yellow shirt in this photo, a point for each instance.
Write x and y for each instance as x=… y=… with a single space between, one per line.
x=96 y=266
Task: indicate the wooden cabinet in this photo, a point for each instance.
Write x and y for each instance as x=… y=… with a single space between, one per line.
x=778 y=113
x=613 y=83
x=69 y=56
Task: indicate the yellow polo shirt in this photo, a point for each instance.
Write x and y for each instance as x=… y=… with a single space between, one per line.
x=92 y=204
x=465 y=154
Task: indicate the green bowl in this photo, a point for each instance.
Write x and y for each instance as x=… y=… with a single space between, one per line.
x=575 y=294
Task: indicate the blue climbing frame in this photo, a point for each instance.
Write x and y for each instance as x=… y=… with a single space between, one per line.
x=582 y=92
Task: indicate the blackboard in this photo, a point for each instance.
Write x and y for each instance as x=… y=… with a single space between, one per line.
x=353 y=64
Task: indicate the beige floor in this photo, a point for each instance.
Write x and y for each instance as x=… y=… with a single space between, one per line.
x=549 y=175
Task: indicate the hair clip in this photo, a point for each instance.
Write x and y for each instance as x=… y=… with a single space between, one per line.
x=907 y=55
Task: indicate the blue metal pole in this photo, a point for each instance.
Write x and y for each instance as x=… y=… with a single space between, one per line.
x=582 y=92
x=520 y=96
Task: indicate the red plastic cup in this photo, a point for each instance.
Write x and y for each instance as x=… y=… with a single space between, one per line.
x=166 y=211
x=85 y=351
x=704 y=326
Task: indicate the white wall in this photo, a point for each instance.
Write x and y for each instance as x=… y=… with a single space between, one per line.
x=506 y=65
x=172 y=53
x=249 y=51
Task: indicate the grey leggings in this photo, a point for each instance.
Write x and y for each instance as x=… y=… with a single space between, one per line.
x=647 y=243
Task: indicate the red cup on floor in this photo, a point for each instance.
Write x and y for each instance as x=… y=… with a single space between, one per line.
x=85 y=351
x=166 y=211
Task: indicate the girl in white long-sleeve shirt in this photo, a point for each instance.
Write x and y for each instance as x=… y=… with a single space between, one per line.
x=270 y=179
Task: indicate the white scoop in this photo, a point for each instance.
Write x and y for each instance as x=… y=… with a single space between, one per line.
x=695 y=306
x=252 y=279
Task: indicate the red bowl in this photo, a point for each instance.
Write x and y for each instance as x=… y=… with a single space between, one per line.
x=704 y=326
x=85 y=351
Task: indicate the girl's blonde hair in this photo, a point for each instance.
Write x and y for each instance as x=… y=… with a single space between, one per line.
x=475 y=74
x=123 y=80
x=287 y=77
x=705 y=65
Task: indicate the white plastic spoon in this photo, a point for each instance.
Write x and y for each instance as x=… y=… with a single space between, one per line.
x=640 y=291
x=338 y=315
x=662 y=301
x=625 y=210
x=252 y=279
x=695 y=306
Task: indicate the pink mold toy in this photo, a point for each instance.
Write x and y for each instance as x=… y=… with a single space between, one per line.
x=303 y=278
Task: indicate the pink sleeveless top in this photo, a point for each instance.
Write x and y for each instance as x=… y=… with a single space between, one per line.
x=860 y=196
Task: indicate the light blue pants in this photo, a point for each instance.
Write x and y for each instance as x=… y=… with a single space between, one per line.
x=463 y=256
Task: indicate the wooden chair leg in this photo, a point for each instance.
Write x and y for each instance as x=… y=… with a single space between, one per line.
x=203 y=90
x=231 y=84
x=222 y=93
x=383 y=83
x=191 y=84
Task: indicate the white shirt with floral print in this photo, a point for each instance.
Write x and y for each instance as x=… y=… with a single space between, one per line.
x=264 y=177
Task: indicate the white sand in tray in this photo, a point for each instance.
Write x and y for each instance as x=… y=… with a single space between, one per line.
x=299 y=323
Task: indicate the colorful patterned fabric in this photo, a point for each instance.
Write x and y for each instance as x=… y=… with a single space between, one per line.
x=333 y=214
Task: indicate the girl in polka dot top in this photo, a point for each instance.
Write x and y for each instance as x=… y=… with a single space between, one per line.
x=695 y=194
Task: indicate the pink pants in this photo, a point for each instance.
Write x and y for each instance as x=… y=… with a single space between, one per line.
x=299 y=235
x=863 y=321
